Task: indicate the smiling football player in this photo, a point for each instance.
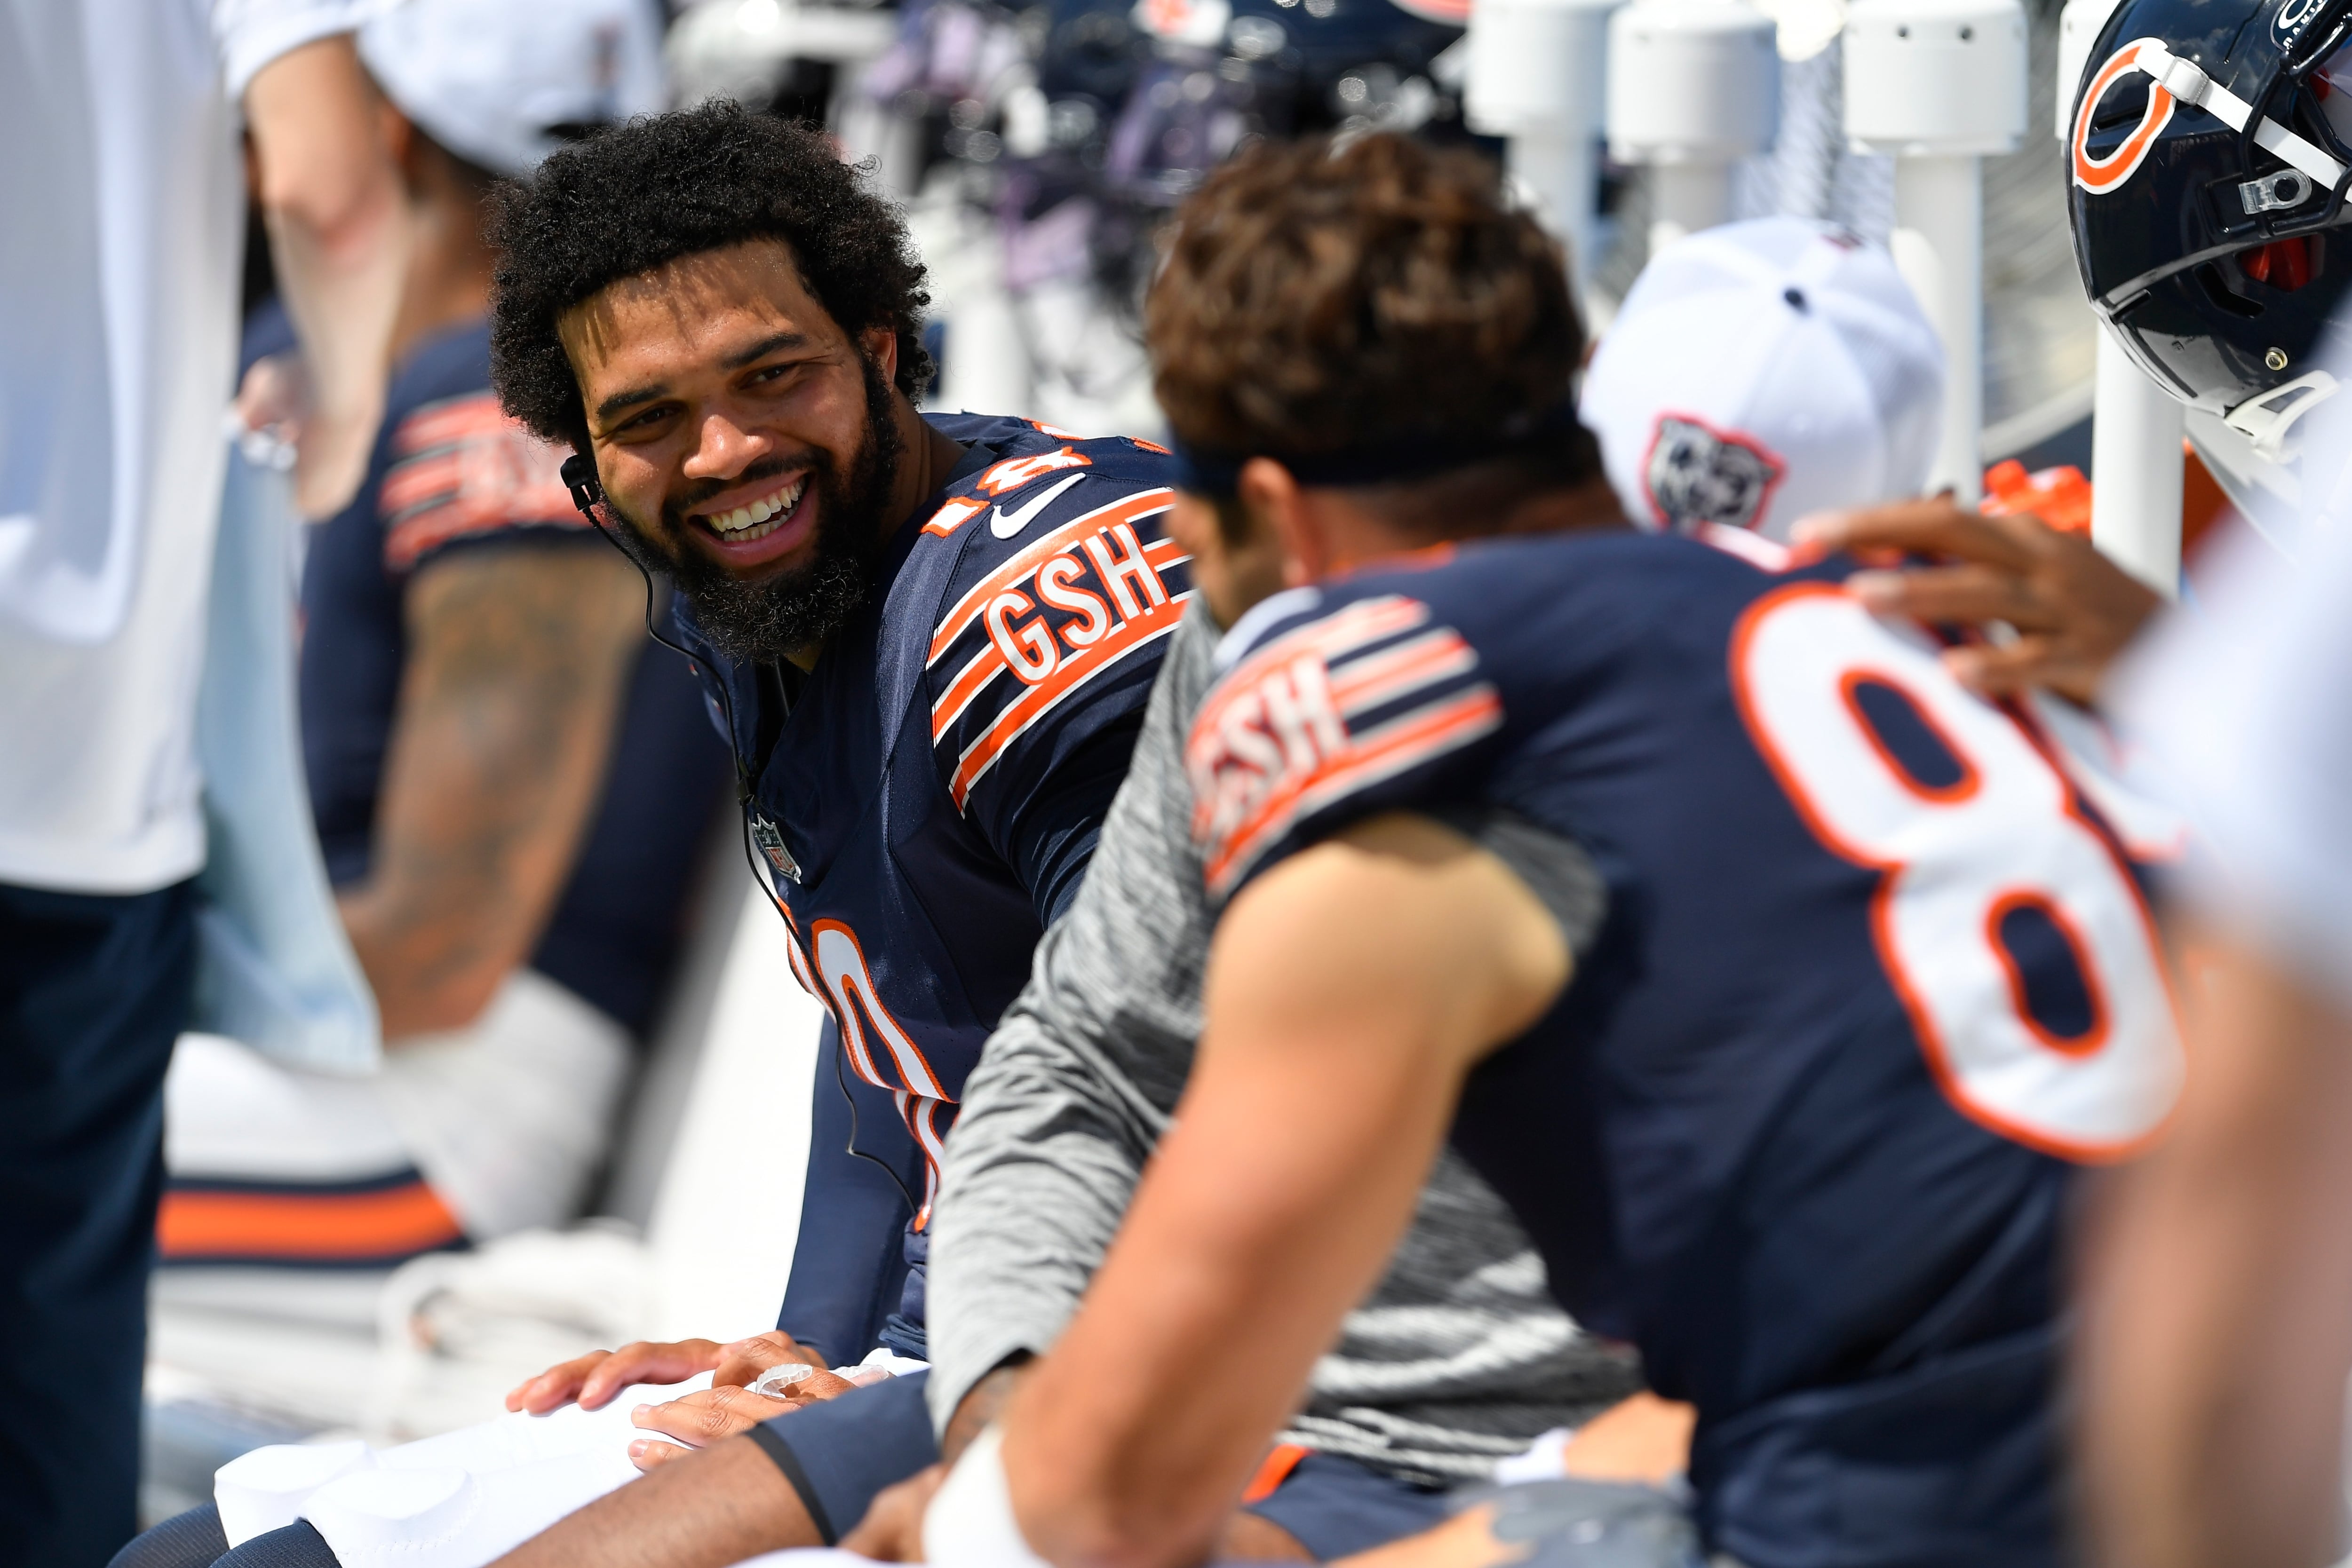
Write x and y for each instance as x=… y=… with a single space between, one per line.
x=930 y=639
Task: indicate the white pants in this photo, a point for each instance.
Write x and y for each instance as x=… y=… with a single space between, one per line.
x=507 y=1119
x=465 y=1498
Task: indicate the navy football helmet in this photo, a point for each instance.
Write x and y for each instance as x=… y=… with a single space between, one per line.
x=2209 y=153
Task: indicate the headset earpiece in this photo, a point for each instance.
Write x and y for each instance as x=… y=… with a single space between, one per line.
x=580 y=479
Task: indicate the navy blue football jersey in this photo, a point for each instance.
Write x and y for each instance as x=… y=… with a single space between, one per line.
x=1872 y=975
x=927 y=796
x=452 y=473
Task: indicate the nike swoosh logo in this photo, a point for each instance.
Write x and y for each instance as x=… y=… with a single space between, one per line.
x=1005 y=524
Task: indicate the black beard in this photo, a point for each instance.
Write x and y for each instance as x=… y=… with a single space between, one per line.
x=764 y=621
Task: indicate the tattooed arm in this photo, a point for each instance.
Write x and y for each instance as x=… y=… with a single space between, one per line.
x=518 y=659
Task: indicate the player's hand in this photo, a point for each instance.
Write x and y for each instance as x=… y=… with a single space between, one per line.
x=2073 y=609
x=741 y=1362
x=699 y=1419
x=274 y=399
x=892 y=1530
x=593 y=1380
x=727 y=1406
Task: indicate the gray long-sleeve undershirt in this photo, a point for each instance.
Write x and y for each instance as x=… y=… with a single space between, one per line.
x=1459 y=1355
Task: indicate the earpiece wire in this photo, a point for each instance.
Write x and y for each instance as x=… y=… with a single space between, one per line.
x=586 y=494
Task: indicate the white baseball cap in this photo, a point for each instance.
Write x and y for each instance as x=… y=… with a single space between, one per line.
x=503 y=83
x=1762 y=371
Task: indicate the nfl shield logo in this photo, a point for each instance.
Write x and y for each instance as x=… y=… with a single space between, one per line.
x=771 y=840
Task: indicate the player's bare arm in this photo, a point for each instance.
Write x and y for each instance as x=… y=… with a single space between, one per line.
x=2214 y=1340
x=1348 y=993
x=338 y=237
x=2073 y=609
x=518 y=660
x=715 y=1507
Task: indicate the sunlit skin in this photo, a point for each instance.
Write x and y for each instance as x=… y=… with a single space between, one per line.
x=2213 y=1283
x=714 y=384
x=1230 y=576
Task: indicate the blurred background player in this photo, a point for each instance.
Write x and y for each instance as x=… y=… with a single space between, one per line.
x=511 y=783
x=119 y=151
x=1760 y=372
x=2217 y=1314
x=1154 y=1402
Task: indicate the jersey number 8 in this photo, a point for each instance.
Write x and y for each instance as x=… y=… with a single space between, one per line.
x=1972 y=851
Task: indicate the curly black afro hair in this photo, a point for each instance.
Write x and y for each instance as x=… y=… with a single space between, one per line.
x=641 y=195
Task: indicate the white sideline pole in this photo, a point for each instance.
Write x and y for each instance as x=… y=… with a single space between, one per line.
x=1693 y=88
x=2135 y=434
x=1560 y=166
x=1939 y=84
x=1939 y=245
x=1686 y=198
x=1534 y=78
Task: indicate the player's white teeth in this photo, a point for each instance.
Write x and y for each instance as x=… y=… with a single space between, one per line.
x=751 y=522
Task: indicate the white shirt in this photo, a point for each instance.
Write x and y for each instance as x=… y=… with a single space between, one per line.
x=119 y=267
x=2246 y=699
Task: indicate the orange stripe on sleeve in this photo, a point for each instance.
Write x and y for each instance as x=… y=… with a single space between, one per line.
x=314 y=1226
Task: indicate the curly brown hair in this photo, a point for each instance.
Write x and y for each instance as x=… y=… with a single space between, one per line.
x=636 y=197
x=1324 y=295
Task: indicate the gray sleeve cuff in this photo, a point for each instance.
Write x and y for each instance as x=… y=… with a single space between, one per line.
x=1554 y=866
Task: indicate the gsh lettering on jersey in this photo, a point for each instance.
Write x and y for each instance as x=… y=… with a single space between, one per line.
x=1329 y=709
x=1068 y=606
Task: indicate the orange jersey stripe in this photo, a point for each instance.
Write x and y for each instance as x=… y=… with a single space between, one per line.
x=1368 y=620
x=317 y=1226
x=442 y=423
x=419 y=481
x=985 y=666
x=1390 y=674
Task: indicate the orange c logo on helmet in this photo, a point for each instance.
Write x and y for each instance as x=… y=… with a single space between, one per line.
x=2099 y=175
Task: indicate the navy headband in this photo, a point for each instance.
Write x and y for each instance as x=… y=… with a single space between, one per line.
x=1402 y=456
